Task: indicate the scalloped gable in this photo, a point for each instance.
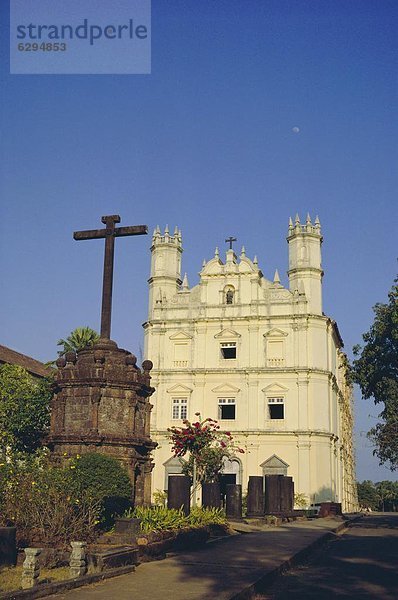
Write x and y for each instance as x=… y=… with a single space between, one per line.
x=225 y=388
x=227 y=334
x=247 y=266
x=180 y=335
x=275 y=332
x=215 y=265
x=179 y=389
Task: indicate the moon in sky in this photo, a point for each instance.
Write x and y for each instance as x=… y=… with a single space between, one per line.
x=296 y=130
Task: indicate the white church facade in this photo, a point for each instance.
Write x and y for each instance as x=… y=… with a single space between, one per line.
x=261 y=359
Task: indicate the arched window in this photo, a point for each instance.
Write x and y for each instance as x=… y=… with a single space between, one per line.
x=232 y=466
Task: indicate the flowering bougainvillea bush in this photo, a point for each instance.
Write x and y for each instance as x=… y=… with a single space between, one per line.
x=207 y=446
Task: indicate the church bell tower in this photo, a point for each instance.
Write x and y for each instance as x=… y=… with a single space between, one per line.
x=165 y=279
x=305 y=267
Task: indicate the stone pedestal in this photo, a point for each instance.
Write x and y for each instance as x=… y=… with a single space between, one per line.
x=255 y=496
x=233 y=501
x=179 y=493
x=30 y=568
x=77 y=561
x=211 y=495
x=101 y=404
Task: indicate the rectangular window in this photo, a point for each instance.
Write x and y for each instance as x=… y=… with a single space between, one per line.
x=179 y=408
x=276 y=408
x=226 y=408
x=228 y=350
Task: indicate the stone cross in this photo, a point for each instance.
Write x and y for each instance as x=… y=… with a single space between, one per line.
x=109 y=233
x=229 y=241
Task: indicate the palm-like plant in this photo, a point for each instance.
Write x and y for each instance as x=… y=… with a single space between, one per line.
x=80 y=338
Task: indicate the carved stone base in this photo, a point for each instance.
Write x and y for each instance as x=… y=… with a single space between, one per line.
x=102 y=405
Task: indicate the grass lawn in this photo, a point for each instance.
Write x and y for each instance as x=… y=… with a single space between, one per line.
x=10 y=577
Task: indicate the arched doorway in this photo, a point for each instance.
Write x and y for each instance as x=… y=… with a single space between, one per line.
x=230 y=473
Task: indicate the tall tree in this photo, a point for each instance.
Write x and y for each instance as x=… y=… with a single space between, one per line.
x=368 y=496
x=376 y=372
x=80 y=338
x=24 y=409
x=388 y=495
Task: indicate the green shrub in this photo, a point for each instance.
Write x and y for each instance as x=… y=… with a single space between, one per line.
x=58 y=504
x=206 y=516
x=103 y=478
x=37 y=498
x=301 y=501
x=160 y=498
x=159 y=518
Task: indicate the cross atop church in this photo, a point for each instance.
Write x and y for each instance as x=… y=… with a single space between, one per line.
x=109 y=233
x=230 y=241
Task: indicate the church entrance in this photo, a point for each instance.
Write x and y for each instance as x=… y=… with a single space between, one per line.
x=224 y=481
x=231 y=473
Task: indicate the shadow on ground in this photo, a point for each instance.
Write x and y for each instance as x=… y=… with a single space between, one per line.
x=360 y=564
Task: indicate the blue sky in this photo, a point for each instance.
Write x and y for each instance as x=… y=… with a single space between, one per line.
x=206 y=143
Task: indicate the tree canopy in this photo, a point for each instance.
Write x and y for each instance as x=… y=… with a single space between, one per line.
x=382 y=495
x=24 y=409
x=376 y=372
x=79 y=339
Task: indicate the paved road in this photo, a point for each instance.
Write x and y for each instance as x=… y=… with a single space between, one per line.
x=218 y=570
x=361 y=564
